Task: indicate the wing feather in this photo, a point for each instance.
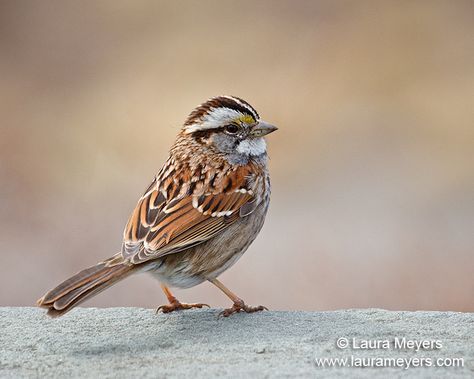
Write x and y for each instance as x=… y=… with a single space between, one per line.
x=160 y=225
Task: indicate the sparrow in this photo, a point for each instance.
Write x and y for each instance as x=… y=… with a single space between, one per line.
x=198 y=216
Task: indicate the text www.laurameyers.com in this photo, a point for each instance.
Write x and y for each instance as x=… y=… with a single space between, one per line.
x=386 y=344
x=405 y=363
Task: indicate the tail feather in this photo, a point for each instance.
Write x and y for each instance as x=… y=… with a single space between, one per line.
x=82 y=286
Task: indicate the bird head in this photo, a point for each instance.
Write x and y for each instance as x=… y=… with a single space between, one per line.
x=230 y=126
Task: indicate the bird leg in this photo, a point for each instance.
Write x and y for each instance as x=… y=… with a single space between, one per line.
x=239 y=304
x=175 y=304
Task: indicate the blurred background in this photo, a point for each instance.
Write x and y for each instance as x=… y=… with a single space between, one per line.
x=372 y=166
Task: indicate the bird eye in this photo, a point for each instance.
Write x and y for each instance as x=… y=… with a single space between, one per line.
x=231 y=128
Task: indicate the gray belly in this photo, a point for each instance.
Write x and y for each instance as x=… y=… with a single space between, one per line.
x=210 y=259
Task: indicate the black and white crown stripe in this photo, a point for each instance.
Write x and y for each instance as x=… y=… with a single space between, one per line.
x=216 y=111
x=245 y=105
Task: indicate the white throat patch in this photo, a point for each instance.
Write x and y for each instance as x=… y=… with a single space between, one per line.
x=252 y=147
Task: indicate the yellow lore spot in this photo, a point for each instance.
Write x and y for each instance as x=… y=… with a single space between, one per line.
x=245 y=119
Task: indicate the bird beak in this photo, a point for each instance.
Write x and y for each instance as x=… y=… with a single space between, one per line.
x=262 y=129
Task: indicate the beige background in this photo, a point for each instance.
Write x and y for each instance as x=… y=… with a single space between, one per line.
x=372 y=168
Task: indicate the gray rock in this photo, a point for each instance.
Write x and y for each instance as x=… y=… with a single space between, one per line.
x=131 y=342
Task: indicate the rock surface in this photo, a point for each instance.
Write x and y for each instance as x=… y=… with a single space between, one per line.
x=131 y=342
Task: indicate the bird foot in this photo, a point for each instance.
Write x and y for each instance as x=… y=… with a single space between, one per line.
x=177 y=306
x=242 y=307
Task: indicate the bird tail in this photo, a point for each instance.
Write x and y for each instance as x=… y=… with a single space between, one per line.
x=84 y=285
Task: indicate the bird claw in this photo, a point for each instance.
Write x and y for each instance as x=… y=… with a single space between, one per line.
x=177 y=306
x=239 y=307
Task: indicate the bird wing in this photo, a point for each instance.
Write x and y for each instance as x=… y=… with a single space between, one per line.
x=160 y=226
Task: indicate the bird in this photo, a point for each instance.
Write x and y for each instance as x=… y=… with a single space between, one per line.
x=198 y=216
